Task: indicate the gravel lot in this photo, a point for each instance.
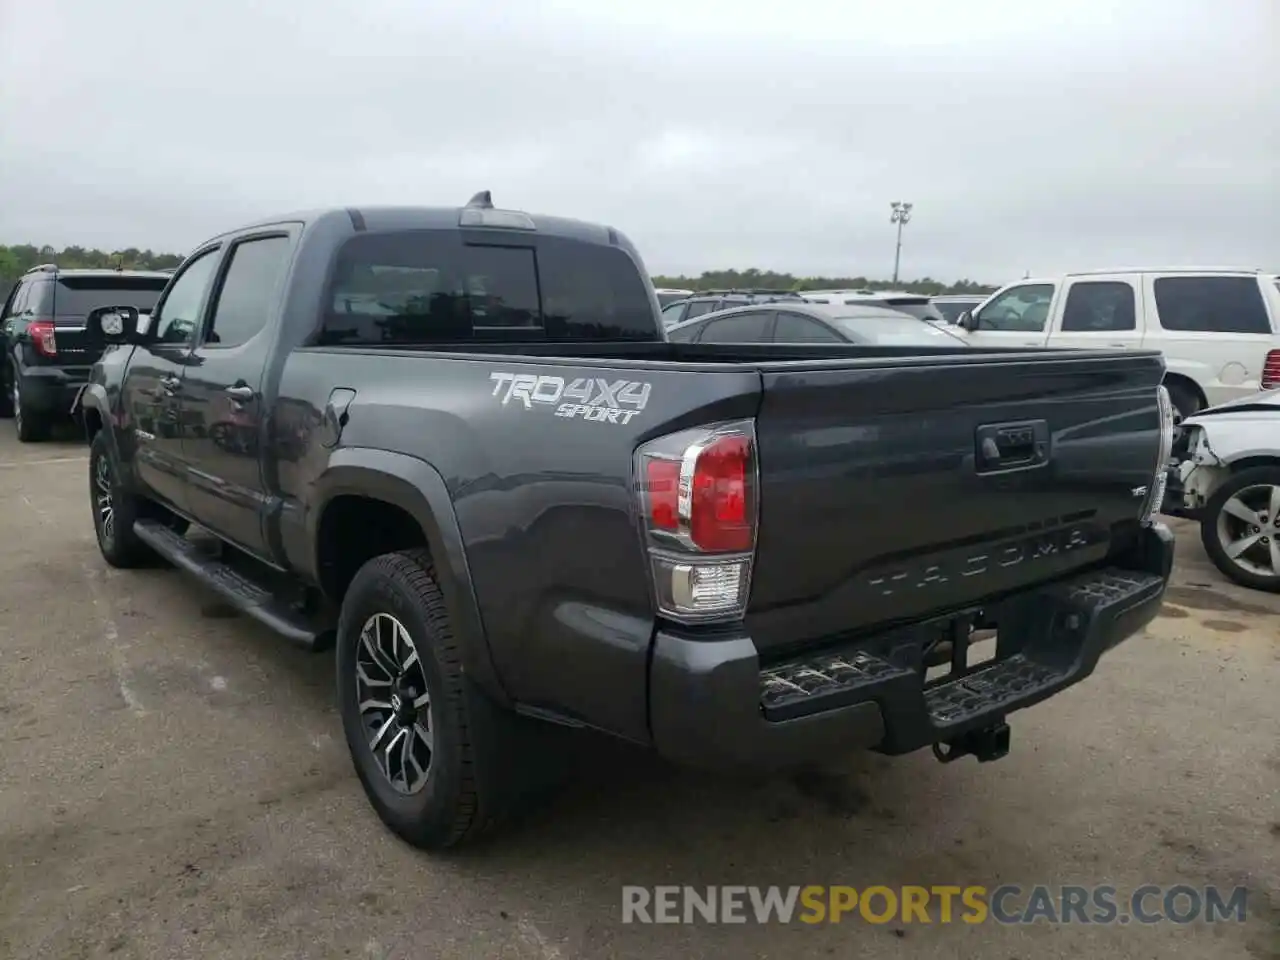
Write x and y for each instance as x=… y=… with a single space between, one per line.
x=173 y=784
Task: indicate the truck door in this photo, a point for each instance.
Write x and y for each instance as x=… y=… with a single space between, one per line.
x=1098 y=313
x=1016 y=317
x=151 y=392
x=222 y=399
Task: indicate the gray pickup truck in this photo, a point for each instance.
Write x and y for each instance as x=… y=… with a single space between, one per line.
x=454 y=444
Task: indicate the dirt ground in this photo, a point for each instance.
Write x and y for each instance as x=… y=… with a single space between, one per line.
x=173 y=784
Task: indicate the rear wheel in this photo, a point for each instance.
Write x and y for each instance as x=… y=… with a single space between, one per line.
x=1240 y=528
x=32 y=426
x=6 y=391
x=404 y=708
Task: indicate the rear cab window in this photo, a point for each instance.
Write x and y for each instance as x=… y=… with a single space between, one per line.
x=438 y=286
x=1207 y=304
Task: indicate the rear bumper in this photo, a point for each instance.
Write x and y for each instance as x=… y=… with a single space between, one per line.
x=712 y=705
x=51 y=390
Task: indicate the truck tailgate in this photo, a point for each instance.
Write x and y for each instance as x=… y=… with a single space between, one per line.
x=902 y=491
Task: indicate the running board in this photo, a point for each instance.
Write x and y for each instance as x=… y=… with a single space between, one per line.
x=245 y=594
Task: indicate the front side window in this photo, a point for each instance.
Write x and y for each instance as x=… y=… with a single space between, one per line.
x=700 y=307
x=249 y=291
x=1098 y=306
x=181 y=311
x=673 y=314
x=1022 y=309
x=1211 y=304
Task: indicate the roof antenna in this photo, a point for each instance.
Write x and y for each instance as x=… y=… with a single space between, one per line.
x=481 y=199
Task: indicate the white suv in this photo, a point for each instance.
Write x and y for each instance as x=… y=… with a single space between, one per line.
x=1219 y=329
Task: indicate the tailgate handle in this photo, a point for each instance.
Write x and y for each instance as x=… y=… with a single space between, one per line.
x=1008 y=446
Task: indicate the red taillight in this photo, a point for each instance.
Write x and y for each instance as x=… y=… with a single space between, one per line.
x=718 y=516
x=43 y=337
x=698 y=495
x=663 y=493
x=1271 y=370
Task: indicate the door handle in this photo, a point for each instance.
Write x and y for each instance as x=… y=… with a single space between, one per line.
x=171 y=385
x=240 y=393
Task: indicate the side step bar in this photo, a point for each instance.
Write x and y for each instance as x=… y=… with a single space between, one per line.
x=244 y=594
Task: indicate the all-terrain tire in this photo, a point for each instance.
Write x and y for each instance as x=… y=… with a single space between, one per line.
x=108 y=498
x=452 y=807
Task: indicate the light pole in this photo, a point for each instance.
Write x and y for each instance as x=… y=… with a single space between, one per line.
x=901 y=215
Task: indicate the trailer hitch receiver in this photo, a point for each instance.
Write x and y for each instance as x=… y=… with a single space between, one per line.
x=989 y=743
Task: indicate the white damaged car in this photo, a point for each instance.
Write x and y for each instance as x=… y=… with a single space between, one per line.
x=1225 y=473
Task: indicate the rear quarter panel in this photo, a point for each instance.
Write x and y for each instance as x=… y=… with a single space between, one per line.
x=541 y=493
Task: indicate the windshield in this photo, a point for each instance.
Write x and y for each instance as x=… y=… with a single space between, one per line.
x=889 y=331
x=951 y=309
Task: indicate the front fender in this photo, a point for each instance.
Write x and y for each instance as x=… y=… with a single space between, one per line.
x=417 y=488
x=1230 y=438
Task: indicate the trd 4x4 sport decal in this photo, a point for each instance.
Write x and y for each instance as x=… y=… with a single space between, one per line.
x=585 y=398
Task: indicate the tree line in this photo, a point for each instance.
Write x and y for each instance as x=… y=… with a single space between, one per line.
x=769 y=280
x=18 y=259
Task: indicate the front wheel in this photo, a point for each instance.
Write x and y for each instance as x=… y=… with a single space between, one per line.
x=1240 y=528
x=114 y=509
x=403 y=704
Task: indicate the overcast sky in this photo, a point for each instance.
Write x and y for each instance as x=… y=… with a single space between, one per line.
x=765 y=133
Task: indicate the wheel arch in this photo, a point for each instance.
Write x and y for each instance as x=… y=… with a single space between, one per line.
x=1173 y=379
x=387 y=484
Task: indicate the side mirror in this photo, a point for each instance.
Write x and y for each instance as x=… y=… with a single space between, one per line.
x=967 y=321
x=114 y=324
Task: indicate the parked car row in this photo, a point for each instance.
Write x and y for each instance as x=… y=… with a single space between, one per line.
x=458 y=445
x=1225 y=474
x=47 y=348
x=1218 y=329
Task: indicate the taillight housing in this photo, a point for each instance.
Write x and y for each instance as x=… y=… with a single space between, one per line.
x=697 y=493
x=1160 y=482
x=43 y=337
x=1271 y=370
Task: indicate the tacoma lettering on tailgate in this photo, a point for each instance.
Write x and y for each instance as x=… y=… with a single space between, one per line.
x=959 y=565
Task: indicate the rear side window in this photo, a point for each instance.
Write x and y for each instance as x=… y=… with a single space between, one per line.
x=19 y=304
x=699 y=307
x=793 y=328
x=249 y=291
x=78 y=296
x=1099 y=305
x=38 y=298
x=740 y=328
x=1211 y=304
x=429 y=286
